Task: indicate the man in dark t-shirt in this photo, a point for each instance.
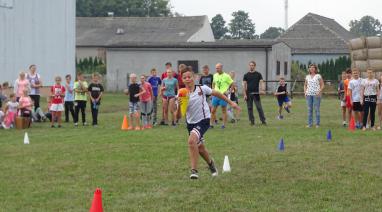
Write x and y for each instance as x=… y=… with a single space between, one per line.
x=252 y=90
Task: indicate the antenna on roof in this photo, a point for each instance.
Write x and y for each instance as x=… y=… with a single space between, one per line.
x=286 y=15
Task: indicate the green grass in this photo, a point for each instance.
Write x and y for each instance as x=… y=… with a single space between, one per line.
x=149 y=170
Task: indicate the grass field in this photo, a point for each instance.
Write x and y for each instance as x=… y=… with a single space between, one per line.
x=149 y=170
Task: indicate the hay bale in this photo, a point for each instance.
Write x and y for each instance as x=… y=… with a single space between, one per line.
x=360 y=54
x=358 y=43
x=374 y=54
x=362 y=65
x=376 y=64
x=374 y=42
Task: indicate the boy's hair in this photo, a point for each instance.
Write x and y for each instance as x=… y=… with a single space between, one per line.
x=187 y=69
x=31 y=66
x=68 y=75
x=57 y=78
x=370 y=69
x=355 y=70
x=12 y=95
x=152 y=70
x=282 y=78
x=79 y=73
x=348 y=71
x=182 y=67
x=5 y=84
x=168 y=64
x=205 y=67
x=95 y=74
x=253 y=62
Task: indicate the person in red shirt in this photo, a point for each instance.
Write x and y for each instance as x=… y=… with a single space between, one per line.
x=181 y=68
x=58 y=94
x=146 y=103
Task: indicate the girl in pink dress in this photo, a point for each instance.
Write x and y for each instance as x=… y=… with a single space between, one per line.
x=10 y=112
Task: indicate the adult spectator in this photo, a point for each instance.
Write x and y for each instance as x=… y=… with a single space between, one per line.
x=221 y=82
x=253 y=86
x=35 y=84
x=314 y=84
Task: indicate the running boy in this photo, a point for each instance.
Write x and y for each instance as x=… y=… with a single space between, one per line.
x=282 y=98
x=355 y=97
x=80 y=98
x=95 y=92
x=198 y=121
x=134 y=91
x=58 y=94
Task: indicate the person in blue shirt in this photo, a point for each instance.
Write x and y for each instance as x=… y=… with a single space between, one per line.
x=69 y=98
x=155 y=82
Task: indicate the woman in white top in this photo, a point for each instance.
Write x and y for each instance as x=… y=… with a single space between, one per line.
x=198 y=120
x=369 y=93
x=314 y=84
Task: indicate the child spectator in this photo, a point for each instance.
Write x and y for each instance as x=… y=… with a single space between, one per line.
x=146 y=103
x=21 y=84
x=80 y=98
x=282 y=97
x=10 y=112
x=155 y=82
x=95 y=93
x=233 y=96
x=342 y=97
x=3 y=98
x=69 y=98
x=25 y=106
x=355 y=97
x=58 y=94
x=134 y=91
x=169 y=86
x=369 y=92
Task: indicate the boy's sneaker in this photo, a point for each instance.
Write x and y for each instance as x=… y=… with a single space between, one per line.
x=344 y=123
x=194 y=174
x=287 y=109
x=52 y=126
x=223 y=127
x=280 y=117
x=76 y=124
x=173 y=124
x=59 y=126
x=85 y=124
x=212 y=168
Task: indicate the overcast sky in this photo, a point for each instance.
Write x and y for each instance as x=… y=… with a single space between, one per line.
x=266 y=13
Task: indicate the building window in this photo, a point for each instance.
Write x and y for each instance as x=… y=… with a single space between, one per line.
x=193 y=63
x=285 y=68
x=278 y=68
x=6 y=3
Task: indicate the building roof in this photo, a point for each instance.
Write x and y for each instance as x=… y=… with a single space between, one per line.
x=258 y=43
x=318 y=35
x=103 y=31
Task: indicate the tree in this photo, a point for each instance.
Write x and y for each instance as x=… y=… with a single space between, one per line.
x=272 y=33
x=366 y=26
x=241 y=26
x=122 y=8
x=218 y=26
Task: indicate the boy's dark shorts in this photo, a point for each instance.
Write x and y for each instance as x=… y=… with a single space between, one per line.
x=357 y=107
x=199 y=128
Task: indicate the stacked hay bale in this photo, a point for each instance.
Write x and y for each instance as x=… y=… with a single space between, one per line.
x=366 y=52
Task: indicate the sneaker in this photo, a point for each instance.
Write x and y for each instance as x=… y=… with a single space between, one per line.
x=223 y=127
x=59 y=126
x=173 y=124
x=264 y=123
x=4 y=126
x=287 y=109
x=162 y=123
x=233 y=121
x=84 y=124
x=379 y=128
x=317 y=126
x=308 y=126
x=194 y=174
x=280 y=117
x=212 y=168
x=52 y=126
x=149 y=126
x=344 y=123
x=76 y=124
x=252 y=123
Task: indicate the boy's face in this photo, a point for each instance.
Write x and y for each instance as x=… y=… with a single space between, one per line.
x=369 y=73
x=153 y=73
x=206 y=71
x=133 y=79
x=282 y=82
x=348 y=75
x=13 y=98
x=68 y=79
x=343 y=76
x=80 y=77
x=58 y=81
x=95 y=79
x=143 y=79
x=355 y=74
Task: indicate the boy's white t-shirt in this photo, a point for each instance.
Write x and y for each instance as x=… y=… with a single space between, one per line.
x=371 y=87
x=197 y=108
x=12 y=106
x=355 y=87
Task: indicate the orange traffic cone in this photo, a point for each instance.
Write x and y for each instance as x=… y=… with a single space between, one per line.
x=97 y=201
x=352 y=124
x=125 y=123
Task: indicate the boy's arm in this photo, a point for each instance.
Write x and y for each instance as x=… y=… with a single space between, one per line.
x=350 y=95
x=140 y=93
x=362 y=93
x=245 y=90
x=262 y=87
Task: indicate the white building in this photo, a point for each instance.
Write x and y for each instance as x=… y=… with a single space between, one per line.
x=40 y=32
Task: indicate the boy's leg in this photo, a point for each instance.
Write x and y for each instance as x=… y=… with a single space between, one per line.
x=136 y=116
x=154 y=115
x=94 y=118
x=83 y=108
x=165 y=111
x=58 y=114
x=53 y=117
x=66 y=108
x=76 y=112
x=224 y=111
x=366 y=108
x=193 y=149
x=372 y=114
x=71 y=109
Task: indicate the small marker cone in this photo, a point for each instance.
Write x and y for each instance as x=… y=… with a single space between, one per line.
x=329 y=136
x=281 y=146
x=226 y=166
x=352 y=124
x=26 y=138
x=97 y=201
x=125 y=123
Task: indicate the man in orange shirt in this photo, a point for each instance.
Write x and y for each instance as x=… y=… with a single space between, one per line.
x=347 y=94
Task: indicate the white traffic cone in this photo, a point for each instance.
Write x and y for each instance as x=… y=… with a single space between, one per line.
x=26 y=138
x=226 y=166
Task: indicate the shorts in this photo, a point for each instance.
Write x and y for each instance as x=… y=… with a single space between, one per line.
x=218 y=102
x=357 y=107
x=199 y=129
x=57 y=107
x=168 y=97
x=281 y=101
x=343 y=103
x=133 y=107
